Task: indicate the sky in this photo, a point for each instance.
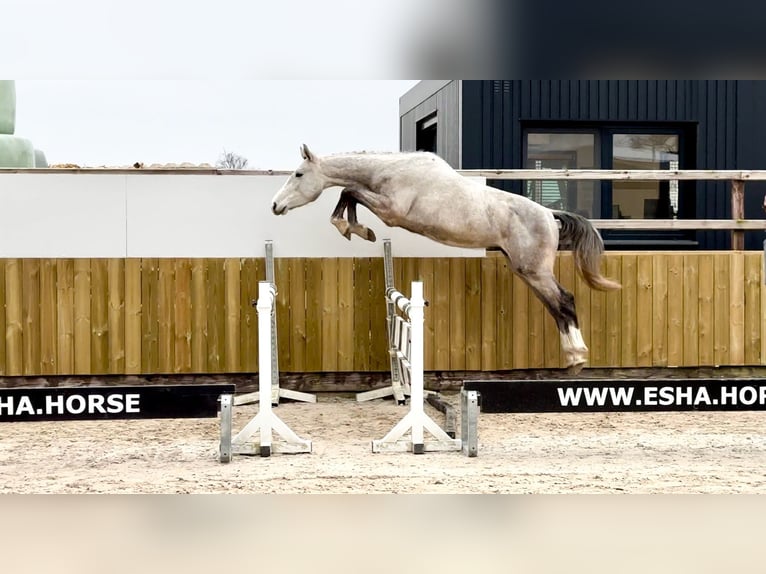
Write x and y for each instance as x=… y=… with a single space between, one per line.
x=116 y=122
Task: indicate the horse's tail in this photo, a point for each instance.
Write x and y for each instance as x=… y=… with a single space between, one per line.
x=579 y=235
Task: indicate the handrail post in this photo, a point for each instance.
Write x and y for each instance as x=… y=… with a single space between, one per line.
x=737 y=213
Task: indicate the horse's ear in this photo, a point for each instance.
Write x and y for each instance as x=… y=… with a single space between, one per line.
x=306 y=153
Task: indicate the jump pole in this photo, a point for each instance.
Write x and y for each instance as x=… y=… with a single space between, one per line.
x=276 y=391
x=266 y=422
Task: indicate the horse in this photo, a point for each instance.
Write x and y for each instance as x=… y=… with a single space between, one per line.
x=420 y=192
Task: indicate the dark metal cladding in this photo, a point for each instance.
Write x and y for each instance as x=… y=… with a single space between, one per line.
x=723 y=121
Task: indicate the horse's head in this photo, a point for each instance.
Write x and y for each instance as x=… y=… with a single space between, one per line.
x=304 y=186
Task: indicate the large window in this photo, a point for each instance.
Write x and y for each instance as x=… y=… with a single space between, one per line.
x=555 y=150
x=621 y=148
x=644 y=199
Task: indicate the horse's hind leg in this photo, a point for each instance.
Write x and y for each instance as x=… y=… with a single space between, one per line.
x=560 y=304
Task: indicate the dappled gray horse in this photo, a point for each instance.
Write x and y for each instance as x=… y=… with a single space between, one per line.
x=421 y=193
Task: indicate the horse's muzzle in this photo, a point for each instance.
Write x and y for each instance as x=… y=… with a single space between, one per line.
x=276 y=211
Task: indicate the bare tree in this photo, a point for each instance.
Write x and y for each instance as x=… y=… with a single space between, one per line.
x=231 y=160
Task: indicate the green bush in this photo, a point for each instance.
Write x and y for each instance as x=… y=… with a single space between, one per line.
x=7 y=107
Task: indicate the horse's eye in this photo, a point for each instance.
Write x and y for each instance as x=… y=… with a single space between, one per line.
x=298 y=175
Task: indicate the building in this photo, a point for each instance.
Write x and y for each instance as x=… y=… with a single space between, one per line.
x=603 y=124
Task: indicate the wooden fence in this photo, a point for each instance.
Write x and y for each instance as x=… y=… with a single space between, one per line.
x=155 y=316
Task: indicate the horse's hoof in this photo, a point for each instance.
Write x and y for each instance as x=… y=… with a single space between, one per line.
x=575 y=368
x=371 y=236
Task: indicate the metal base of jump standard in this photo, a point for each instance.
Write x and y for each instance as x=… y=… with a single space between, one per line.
x=276 y=392
x=266 y=422
x=416 y=421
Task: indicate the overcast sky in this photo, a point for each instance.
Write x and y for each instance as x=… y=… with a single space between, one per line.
x=113 y=82
x=119 y=122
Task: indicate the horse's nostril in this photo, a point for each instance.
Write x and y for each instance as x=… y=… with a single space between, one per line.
x=274 y=207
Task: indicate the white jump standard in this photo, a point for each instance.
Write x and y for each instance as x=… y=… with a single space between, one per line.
x=276 y=391
x=266 y=421
x=416 y=420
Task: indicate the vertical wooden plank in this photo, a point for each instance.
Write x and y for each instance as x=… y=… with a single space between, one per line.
x=762 y=288
x=149 y=320
x=473 y=324
x=441 y=312
x=504 y=315
x=65 y=319
x=216 y=315
x=345 y=314
x=31 y=311
x=251 y=273
x=721 y=306
x=14 y=317
x=737 y=308
x=3 y=303
x=330 y=315
x=231 y=269
x=552 y=338
x=597 y=342
x=165 y=315
x=536 y=318
x=82 y=331
x=199 y=315
x=489 y=313
x=675 y=310
x=99 y=303
x=423 y=270
x=629 y=356
x=570 y=280
x=182 y=319
x=691 y=310
x=705 y=316
x=659 y=310
x=753 y=265
x=644 y=310
x=379 y=360
x=520 y=323
x=314 y=315
x=116 y=314
x=298 y=313
x=48 y=316
x=284 y=326
x=614 y=319
x=361 y=303
x=133 y=334
x=457 y=313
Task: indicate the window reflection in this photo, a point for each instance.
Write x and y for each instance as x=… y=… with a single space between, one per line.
x=557 y=150
x=645 y=199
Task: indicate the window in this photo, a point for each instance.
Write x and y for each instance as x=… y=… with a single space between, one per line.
x=425 y=134
x=621 y=148
x=554 y=150
x=644 y=199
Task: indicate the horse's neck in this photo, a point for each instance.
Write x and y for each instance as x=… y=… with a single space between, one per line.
x=350 y=170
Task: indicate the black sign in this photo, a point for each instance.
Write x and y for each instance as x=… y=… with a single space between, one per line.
x=104 y=403
x=620 y=395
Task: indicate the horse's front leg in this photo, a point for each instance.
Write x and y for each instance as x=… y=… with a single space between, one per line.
x=357 y=228
x=351 y=225
x=337 y=218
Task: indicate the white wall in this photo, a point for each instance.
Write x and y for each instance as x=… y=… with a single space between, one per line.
x=179 y=215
